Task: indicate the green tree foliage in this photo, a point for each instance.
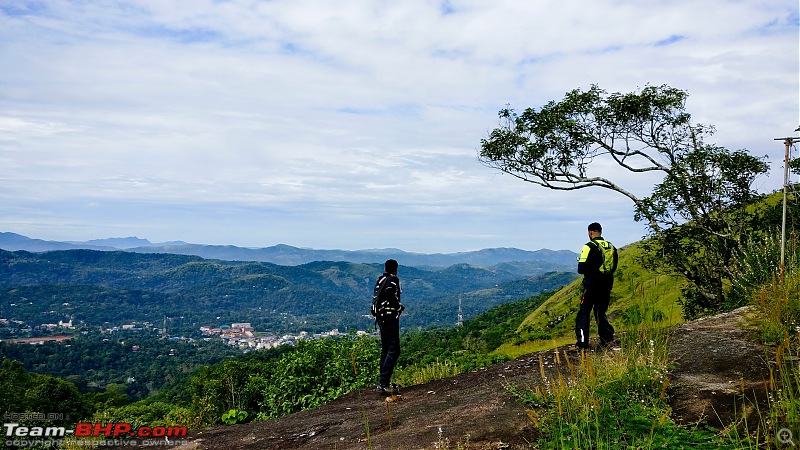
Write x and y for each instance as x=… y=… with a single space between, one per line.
x=794 y=165
x=139 y=364
x=302 y=377
x=56 y=400
x=561 y=145
x=468 y=346
x=143 y=413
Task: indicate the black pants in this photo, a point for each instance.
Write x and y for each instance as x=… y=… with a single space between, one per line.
x=598 y=300
x=390 y=349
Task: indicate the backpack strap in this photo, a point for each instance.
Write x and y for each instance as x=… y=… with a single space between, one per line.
x=380 y=286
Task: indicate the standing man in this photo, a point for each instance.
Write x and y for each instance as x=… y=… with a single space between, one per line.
x=597 y=263
x=386 y=308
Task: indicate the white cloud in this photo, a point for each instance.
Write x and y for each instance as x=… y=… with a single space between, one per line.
x=350 y=124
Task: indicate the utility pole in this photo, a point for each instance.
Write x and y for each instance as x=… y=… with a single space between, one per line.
x=460 y=316
x=788 y=141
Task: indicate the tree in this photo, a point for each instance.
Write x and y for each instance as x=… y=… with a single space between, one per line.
x=46 y=394
x=56 y=400
x=690 y=214
x=13 y=382
x=794 y=166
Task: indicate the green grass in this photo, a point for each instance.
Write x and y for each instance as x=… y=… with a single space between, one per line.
x=778 y=305
x=420 y=374
x=553 y=322
x=619 y=399
x=615 y=399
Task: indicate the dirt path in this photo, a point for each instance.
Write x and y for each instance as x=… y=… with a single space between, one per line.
x=714 y=358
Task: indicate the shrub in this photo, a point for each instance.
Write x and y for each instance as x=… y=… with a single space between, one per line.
x=615 y=399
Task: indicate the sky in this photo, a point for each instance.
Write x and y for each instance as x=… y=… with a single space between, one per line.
x=353 y=124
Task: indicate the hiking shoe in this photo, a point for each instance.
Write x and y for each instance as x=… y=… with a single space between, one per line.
x=384 y=390
x=392 y=389
x=578 y=348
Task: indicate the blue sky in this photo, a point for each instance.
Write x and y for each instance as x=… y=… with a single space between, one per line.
x=351 y=124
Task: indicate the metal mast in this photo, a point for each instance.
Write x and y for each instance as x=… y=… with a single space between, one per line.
x=788 y=142
x=460 y=315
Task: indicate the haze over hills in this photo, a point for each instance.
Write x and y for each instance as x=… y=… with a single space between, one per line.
x=123 y=243
x=13 y=242
x=538 y=261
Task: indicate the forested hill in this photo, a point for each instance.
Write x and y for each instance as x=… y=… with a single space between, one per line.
x=114 y=287
x=543 y=260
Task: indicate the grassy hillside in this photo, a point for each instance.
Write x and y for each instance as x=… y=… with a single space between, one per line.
x=553 y=322
x=635 y=289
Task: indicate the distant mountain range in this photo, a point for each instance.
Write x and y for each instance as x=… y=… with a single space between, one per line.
x=538 y=261
x=14 y=242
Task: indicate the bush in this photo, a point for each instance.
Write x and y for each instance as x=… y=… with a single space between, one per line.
x=757 y=264
x=302 y=377
x=316 y=372
x=616 y=399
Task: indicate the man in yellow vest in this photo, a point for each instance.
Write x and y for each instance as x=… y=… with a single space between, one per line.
x=597 y=263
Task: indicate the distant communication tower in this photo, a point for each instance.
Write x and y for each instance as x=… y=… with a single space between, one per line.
x=460 y=316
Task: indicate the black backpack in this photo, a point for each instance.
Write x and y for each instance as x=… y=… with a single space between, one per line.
x=382 y=308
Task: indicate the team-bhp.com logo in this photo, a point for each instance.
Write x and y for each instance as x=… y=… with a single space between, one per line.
x=86 y=429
